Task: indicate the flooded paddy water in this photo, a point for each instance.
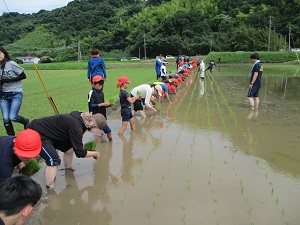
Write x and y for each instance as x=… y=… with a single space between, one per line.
x=203 y=159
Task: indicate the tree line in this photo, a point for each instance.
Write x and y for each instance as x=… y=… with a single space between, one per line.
x=128 y=27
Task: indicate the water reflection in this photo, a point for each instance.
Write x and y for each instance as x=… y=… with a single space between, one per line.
x=202 y=87
x=239 y=148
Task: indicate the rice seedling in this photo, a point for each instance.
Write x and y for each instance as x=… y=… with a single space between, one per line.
x=188 y=185
x=112 y=100
x=182 y=204
x=31 y=167
x=90 y=146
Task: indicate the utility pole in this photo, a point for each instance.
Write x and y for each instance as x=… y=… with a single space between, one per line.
x=289 y=38
x=269 y=33
x=139 y=52
x=145 y=45
x=79 y=52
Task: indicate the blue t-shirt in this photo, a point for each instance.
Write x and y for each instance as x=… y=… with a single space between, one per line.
x=8 y=159
x=259 y=69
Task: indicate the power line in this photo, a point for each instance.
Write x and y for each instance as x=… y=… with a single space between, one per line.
x=6 y=5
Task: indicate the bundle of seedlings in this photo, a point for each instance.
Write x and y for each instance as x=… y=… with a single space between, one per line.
x=112 y=101
x=90 y=146
x=31 y=167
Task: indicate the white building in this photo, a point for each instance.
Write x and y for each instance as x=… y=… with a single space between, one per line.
x=29 y=59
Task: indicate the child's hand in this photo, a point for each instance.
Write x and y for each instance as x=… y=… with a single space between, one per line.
x=96 y=155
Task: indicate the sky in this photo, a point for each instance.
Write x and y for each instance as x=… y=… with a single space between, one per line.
x=30 y=6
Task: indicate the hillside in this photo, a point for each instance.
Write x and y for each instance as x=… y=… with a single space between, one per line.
x=123 y=27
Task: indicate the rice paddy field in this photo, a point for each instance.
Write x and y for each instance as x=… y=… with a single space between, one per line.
x=204 y=158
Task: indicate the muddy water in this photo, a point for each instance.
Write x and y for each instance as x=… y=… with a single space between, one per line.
x=203 y=159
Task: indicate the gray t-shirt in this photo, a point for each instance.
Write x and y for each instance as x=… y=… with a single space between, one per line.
x=11 y=70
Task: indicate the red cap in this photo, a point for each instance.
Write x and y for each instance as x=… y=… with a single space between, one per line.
x=97 y=78
x=28 y=144
x=122 y=80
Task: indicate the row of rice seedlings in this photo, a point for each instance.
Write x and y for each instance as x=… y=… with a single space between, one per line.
x=157 y=193
x=242 y=188
x=243 y=132
x=249 y=142
x=150 y=151
x=214 y=197
x=212 y=192
x=192 y=152
x=217 y=103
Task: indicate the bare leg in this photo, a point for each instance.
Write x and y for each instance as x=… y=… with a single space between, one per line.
x=251 y=102
x=142 y=113
x=132 y=125
x=256 y=102
x=68 y=158
x=50 y=175
x=123 y=128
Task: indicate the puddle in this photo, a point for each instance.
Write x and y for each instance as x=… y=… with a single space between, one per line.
x=204 y=159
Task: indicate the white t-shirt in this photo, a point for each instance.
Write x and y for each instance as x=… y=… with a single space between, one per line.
x=202 y=69
x=147 y=92
x=163 y=71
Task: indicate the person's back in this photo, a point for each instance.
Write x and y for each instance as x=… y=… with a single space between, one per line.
x=18 y=195
x=8 y=160
x=96 y=65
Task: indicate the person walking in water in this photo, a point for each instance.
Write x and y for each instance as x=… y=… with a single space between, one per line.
x=211 y=64
x=11 y=92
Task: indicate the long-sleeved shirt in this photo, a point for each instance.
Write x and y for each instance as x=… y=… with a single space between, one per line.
x=8 y=159
x=96 y=66
x=65 y=131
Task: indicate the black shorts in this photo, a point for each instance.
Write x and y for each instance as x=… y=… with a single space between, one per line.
x=253 y=92
x=126 y=114
x=49 y=154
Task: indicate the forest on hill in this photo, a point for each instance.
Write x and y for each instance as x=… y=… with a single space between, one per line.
x=123 y=28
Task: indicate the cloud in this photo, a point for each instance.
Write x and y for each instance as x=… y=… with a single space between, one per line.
x=30 y=6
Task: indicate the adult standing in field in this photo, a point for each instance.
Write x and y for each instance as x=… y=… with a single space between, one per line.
x=158 y=65
x=201 y=68
x=255 y=81
x=11 y=92
x=96 y=65
x=18 y=195
x=14 y=151
x=64 y=132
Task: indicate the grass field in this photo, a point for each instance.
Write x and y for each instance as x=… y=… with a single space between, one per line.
x=67 y=83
